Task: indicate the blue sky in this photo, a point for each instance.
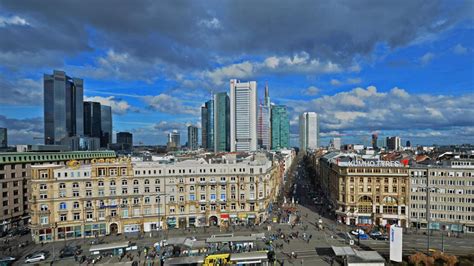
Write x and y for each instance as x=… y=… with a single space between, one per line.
x=402 y=68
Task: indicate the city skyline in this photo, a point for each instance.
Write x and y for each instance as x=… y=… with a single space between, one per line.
x=408 y=75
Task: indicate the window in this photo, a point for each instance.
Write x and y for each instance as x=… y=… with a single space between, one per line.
x=223 y=196
x=88 y=184
x=75 y=205
x=101 y=215
x=192 y=197
x=63 y=217
x=213 y=196
x=203 y=208
x=75 y=185
x=125 y=213
x=124 y=182
x=147 y=181
x=136 y=201
x=62 y=206
x=135 y=190
x=43 y=186
x=147 y=189
x=101 y=183
x=124 y=190
x=171 y=198
x=62 y=185
x=147 y=200
x=44 y=207
x=181 y=209
x=44 y=220
x=223 y=206
x=88 y=193
x=135 y=182
x=76 y=216
x=89 y=216
x=112 y=183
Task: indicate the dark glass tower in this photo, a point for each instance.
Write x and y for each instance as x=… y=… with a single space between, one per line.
x=92 y=119
x=221 y=122
x=204 y=127
x=106 y=124
x=63 y=107
x=210 y=124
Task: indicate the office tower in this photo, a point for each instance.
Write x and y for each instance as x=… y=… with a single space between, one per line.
x=174 y=142
x=374 y=140
x=3 y=137
x=204 y=127
x=210 y=124
x=309 y=131
x=394 y=143
x=63 y=107
x=125 y=140
x=243 y=116
x=408 y=144
x=106 y=125
x=221 y=122
x=193 y=138
x=92 y=119
x=336 y=143
x=280 y=125
x=382 y=143
x=263 y=125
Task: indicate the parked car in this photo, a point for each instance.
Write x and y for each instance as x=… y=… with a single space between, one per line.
x=357 y=231
x=70 y=251
x=36 y=257
x=380 y=237
x=7 y=260
x=375 y=233
x=363 y=236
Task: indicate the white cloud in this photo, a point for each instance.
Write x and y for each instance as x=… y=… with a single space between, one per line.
x=427 y=58
x=312 y=90
x=459 y=49
x=354 y=81
x=213 y=23
x=336 y=82
x=15 y=20
x=118 y=106
x=299 y=63
x=169 y=104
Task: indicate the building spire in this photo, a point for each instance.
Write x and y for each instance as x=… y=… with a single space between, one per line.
x=267 y=96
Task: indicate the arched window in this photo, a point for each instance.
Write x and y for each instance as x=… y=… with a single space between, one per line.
x=44 y=207
x=124 y=182
x=101 y=183
x=135 y=182
x=62 y=206
x=76 y=205
x=365 y=199
x=147 y=181
x=112 y=183
x=389 y=201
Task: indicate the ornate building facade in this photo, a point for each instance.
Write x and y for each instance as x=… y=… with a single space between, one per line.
x=118 y=196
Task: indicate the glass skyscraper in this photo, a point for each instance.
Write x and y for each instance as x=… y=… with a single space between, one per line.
x=210 y=125
x=280 y=125
x=204 y=127
x=92 y=119
x=192 y=138
x=106 y=124
x=63 y=107
x=221 y=122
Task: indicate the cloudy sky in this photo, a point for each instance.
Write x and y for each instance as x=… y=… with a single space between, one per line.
x=396 y=67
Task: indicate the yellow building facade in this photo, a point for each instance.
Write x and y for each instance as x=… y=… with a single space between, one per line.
x=118 y=196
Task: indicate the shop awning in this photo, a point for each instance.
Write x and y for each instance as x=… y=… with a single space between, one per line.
x=251 y=216
x=242 y=215
x=224 y=216
x=233 y=215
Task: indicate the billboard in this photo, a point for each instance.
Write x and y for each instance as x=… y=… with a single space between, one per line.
x=396 y=242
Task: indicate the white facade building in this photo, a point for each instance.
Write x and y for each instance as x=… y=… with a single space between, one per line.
x=309 y=131
x=336 y=143
x=243 y=116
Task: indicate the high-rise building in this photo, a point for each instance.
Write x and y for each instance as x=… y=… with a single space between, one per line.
x=63 y=107
x=394 y=143
x=309 y=131
x=92 y=119
x=106 y=124
x=204 y=127
x=221 y=122
x=193 y=138
x=280 y=125
x=3 y=137
x=263 y=123
x=243 y=116
x=174 y=140
x=210 y=124
x=336 y=143
x=374 y=140
x=125 y=140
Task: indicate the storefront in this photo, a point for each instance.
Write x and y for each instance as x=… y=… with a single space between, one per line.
x=131 y=228
x=69 y=232
x=95 y=230
x=202 y=221
x=182 y=222
x=224 y=219
x=364 y=220
x=152 y=226
x=242 y=218
x=251 y=218
x=233 y=219
x=45 y=234
x=171 y=222
x=192 y=221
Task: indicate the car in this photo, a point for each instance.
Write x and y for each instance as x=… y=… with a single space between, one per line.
x=7 y=260
x=380 y=237
x=375 y=233
x=363 y=236
x=36 y=257
x=69 y=252
x=357 y=231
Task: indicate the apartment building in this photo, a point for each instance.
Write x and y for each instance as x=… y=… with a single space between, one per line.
x=365 y=191
x=120 y=196
x=450 y=186
x=15 y=172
